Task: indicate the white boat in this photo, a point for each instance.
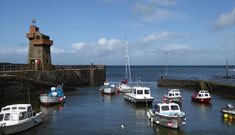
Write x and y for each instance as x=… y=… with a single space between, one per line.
x=173 y=95
x=167 y=114
x=203 y=96
x=17 y=118
x=54 y=96
x=228 y=111
x=108 y=88
x=123 y=86
x=139 y=94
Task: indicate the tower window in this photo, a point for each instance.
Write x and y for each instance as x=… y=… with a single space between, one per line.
x=37 y=37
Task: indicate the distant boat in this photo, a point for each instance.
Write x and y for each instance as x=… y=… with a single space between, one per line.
x=167 y=114
x=173 y=95
x=139 y=94
x=228 y=111
x=17 y=118
x=54 y=96
x=108 y=88
x=203 y=96
x=232 y=70
x=123 y=86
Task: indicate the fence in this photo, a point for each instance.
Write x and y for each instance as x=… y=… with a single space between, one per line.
x=14 y=67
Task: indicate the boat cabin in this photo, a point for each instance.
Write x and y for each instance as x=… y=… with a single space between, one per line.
x=167 y=108
x=13 y=114
x=174 y=93
x=203 y=94
x=141 y=92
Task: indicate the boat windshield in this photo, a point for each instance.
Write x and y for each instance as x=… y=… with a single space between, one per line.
x=23 y=115
x=5 y=109
x=7 y=117
x=139 y=92
x=1 y=117
x=174 y=107
x=146 y=92
x=165 y=108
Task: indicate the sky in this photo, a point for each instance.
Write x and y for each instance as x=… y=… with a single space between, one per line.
x=192 y=32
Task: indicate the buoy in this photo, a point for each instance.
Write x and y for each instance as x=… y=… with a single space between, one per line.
x=122 y=126
x=230 y=117
x=225 y=116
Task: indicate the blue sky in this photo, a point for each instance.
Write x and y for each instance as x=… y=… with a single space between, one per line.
x=193 y=32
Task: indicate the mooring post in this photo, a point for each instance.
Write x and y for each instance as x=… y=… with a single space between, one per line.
x=91 y=76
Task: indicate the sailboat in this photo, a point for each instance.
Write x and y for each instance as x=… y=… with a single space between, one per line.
x=136 y=94
x=123 y=86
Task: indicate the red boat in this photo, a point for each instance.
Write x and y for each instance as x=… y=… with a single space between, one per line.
x=203 y=96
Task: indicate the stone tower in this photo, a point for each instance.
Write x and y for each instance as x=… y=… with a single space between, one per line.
x=39 y=55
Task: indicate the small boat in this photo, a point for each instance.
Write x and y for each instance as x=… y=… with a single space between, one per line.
x=173 y=95
x=124 y=87
x=108 y=88
x=167 y=114
x=139 y=94
x=54 y=96
x=228 y=111
x=203 y=96
x=17 y=118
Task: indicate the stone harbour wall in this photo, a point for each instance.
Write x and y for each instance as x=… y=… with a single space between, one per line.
x=17 y=83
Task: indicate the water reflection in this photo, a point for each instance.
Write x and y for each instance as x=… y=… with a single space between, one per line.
x=106 y=98
x=51 y=112
x=228 y=121
x=51 y=109
x=160 y=130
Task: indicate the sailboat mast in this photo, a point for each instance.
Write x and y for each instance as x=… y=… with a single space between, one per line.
x=128 y=63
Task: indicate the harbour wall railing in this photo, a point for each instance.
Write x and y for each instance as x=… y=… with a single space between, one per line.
x=17 y=66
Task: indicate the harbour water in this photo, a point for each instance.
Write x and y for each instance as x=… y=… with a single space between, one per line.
x=87 y=112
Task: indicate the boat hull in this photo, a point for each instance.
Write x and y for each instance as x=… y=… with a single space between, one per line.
x=201 y=100
x=174 y=99
x=47 y=100
x=228 y=114
x=175 y=122
x=124 y=88
x=109 y=91
x=24 y=125
x=138 y=100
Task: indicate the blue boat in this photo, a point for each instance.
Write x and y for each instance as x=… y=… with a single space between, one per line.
x=54 y=96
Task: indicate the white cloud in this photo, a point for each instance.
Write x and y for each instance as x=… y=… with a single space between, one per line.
x=153 y=10
x=176 y=47
x=106 y=49
x=165 y=35
x=225 y=20
x=78 y=46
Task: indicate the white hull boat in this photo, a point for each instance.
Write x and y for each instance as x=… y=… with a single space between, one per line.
x=139 y=95
x=173 y=95
x=46 y=99
x=123 y=88
x=17 y=118
x=168 y=115
x=108 y=88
